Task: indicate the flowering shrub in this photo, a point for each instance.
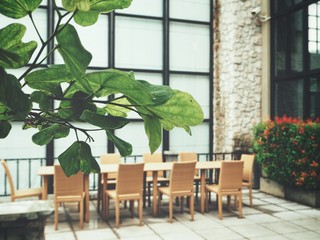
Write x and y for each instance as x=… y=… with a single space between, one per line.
x=288 y=150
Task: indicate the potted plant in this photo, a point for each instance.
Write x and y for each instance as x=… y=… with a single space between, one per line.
x=288 y=151
x=85 y=96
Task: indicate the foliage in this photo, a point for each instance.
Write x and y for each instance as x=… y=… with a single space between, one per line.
x=288 y=151
x=79 y=95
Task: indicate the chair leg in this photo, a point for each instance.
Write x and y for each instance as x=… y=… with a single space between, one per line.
x=140 y=210
x=149 y=194
x=106 y=207
x=250 y=195
x=191 y=207
x=240 y=205
x=99 y=194
x=131 y=208
x=81 y=213
x=220 y=206
x=56 y=208
x=171 y=208
x=206 y=201
x=159 y=201
x=117 y=213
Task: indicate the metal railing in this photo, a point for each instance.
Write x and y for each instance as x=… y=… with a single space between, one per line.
x=24 y=171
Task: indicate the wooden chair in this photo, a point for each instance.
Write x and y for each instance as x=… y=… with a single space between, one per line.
x=108 y=158
x=248 y=161
x=230 y=184
x=187 y=157
x=68 y=189
x=154 y=158
x=129 y=186
x=19 y=193
x=180 y=185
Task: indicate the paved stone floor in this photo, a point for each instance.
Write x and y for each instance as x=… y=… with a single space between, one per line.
x=270 y=218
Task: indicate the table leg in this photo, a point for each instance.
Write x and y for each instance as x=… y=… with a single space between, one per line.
x=45 y=187
x=87 y=197
x=155 y=192
x=202 y=189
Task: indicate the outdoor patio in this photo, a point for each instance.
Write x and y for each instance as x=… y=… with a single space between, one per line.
x=270 y=218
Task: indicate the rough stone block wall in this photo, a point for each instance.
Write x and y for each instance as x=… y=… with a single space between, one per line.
x=237 y=71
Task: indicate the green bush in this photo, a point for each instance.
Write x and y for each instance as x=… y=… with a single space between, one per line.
x=288 y=151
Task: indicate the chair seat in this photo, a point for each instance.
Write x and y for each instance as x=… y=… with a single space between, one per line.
x=215 y=188
x=70 y=198
x=113 y=194
x=160 y=179
x=166 y=190
x=28 y=192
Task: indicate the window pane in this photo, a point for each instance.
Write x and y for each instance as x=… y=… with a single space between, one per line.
x=189 y=47
x=180 y=140
x=314 y=35
x=134 y=134
x=97 y=45
x=296 y=43
x=190 y=9
x=138 y=43
x=144 y=7
x=289 y=98
x=40 y=18
x=197 y=86
x=314 y=98
x=18 y=144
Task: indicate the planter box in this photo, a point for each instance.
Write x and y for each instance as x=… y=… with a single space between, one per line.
x=271 y=187
x=307 y=197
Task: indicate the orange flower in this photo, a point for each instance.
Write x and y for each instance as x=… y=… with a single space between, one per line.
x=314 y=164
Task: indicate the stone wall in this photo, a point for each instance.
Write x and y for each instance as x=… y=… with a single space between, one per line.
x=237 y=71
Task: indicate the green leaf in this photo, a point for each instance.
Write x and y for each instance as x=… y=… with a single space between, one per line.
x=49 y=79
x=72 y=5
x=75 y=56
x=42 y=98
x=5 y=128
x=124 y=147
x=72 y=109
x=18 y=8
x=153 y=130
x=12 y=96
x=182 y=110
x=47 y=134
x=86 y=18
x=115 y=108
x=78 y=157
x=13 y=52
x=104 y=122
x=141 y=92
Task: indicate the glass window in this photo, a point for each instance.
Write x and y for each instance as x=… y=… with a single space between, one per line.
x=138 y=43
x=289 y=98
x=189 y=47
x=190 y=9
x=314 y=97
x=144 y=7
x=314 y=35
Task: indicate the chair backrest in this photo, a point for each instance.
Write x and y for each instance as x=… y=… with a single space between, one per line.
x=231 y=173
x=153 y=158
x=182 y=176
x=67 y=186
x=110 y=158
x=248 y=161
x=130 y=178
x=187 y=156
x=9 y=176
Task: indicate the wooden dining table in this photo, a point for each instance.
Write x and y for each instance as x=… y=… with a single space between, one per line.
x=46 y=171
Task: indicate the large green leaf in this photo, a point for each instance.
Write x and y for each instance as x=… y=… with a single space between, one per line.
x=104 y=122
x=13 y=52
x=153 y=130
x=18 y=8
x=86 y=18
x=54 y=131
x=12 y=96
x=182 y=110
x=72 y=109
x=116 y=108
x=42 y=99
x=78 y=157
x=124 y=147
x=49 y=79
x=5 y=128
x=73 y=5
x=75 y=56
x=141 y=92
